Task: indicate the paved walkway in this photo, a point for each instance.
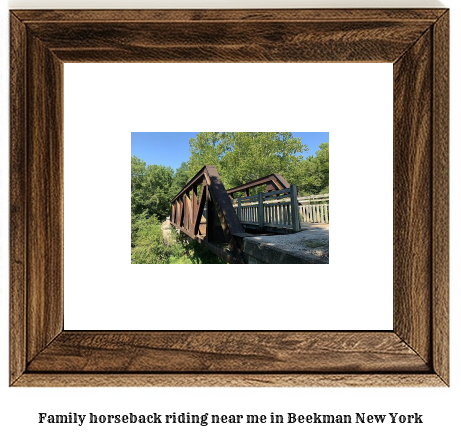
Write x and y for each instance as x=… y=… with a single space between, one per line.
x=310 y=245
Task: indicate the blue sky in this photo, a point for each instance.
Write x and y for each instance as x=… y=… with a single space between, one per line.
x=172 y=148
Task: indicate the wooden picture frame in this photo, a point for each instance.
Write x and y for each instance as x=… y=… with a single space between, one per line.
x=414 y=353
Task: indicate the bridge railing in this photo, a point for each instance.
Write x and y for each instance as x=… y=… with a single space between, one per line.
x=315 y=208
x=270 y=211
x=203 y=211
x=207 y=213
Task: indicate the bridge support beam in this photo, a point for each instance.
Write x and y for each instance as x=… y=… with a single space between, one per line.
x=222 y=222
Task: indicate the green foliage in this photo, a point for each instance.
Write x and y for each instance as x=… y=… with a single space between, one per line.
x=180 y=178
x=196 y=252
x=147 y=245
x=312 y=176
x=150 y=188
x=241 y=157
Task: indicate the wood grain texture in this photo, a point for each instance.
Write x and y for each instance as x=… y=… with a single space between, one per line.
x=441 y=197
x=415 y=354
x=326 y=41
x=18 y=211
x=230 y=380
x=184 y=15
x=227 y=352
x=45 y=238
x=413 y=196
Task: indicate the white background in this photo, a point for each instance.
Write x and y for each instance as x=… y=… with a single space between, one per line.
x=19 y=407
x=103 y=105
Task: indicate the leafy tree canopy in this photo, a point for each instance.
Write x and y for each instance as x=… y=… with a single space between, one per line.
x=150 y=188
x=180 y=178
x=241 y=157
x=312 y=176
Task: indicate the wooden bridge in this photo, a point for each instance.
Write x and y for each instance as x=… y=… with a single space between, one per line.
x=210 y=215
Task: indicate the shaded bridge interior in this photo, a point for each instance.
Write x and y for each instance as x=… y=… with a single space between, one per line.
x=203 y=211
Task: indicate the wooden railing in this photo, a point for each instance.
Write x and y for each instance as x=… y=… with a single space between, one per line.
x=315 y=209
x=270 y=211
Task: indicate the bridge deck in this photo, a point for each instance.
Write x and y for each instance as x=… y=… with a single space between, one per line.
x=310 y=245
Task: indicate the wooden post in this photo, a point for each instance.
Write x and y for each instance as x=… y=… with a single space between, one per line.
x=239 y=208
x=209 y=215
x=186 y=211
x=194 y=203
x=294 y=208
x=260 y=210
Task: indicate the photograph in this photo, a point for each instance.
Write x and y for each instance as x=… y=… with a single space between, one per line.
x=230 y=197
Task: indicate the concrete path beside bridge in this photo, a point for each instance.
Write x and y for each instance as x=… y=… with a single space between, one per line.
x=310 y=245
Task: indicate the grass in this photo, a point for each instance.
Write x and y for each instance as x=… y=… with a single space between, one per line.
x=183 y=260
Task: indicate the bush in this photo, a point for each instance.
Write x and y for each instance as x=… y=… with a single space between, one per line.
x=148 y=246
x=147 y=242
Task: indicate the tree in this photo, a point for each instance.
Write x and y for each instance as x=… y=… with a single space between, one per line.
x=150 y=188
x=206 y=148
x=313 y=175
x=323 y=166
x=180 y=178
x=241 y=157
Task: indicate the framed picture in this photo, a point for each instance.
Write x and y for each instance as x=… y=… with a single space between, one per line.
x=414 y=353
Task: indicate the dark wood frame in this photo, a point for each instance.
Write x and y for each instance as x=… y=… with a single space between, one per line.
x=415 y=352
